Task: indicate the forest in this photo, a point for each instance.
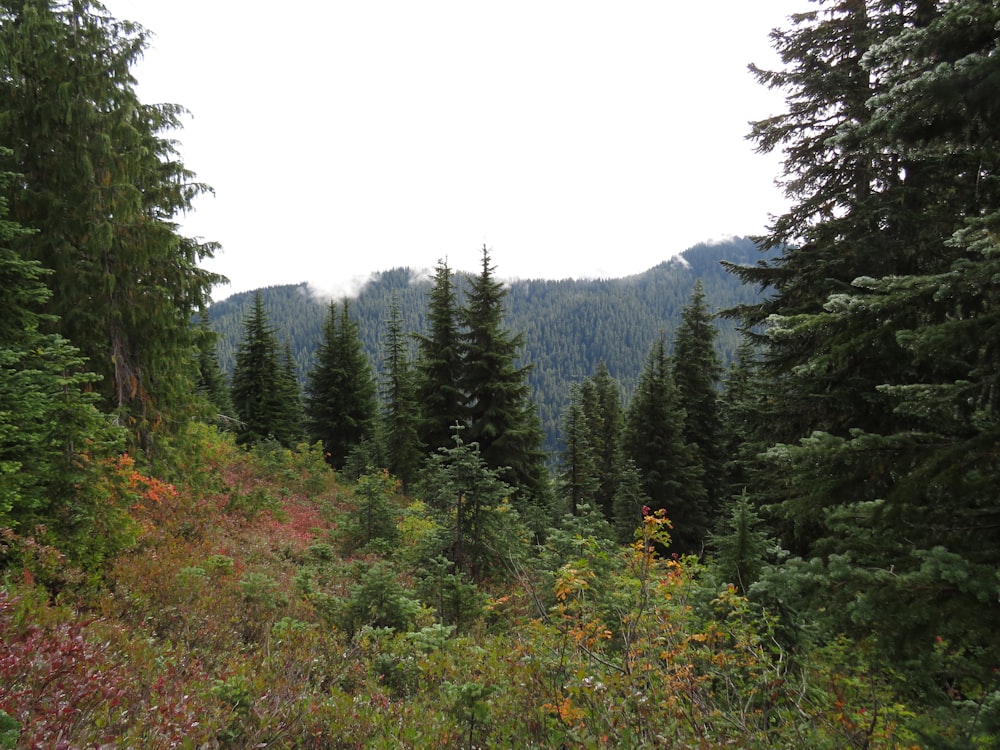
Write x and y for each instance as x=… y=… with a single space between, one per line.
x=753 y=507
x=569 y=325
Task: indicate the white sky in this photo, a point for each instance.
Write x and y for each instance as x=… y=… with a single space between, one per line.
x=573 y=138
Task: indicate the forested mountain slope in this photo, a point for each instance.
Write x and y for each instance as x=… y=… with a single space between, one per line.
x=569 y=325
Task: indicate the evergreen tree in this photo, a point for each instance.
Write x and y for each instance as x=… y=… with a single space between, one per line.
x=52 y=437
x=696 y=374
x=439 y=365
x=341 y=400
x=603 y=406
x=879 y=332
x=399 y=403
x=102 y=185
x=260 y=385
x=739 y=544
x=579 y=481
x=742 y=408
x=653 y=441
x=211 y=382
x=483 y=531
x=291 y=396
x=629 y=500
x=502 y=418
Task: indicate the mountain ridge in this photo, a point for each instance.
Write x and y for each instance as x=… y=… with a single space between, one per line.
x=569 y=324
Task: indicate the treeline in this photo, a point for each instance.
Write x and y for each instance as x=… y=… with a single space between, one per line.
x=569 y=325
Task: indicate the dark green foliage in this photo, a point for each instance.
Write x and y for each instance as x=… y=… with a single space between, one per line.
x=378 y=600
x=697 y=372
x=570 y=326
x=628 y=503
x=102 y=186
x=211 y=382
x=372 y=520
x=456 y=599
x=341 y=394
x=261 y=391
x=654 y=440
x=439 y=365
x=879 y=362
x=602 y=402
x=399 y=407
x=484 y=533
x=52 y=437
x=739 y=544
x=501 y=415
x=578 y=478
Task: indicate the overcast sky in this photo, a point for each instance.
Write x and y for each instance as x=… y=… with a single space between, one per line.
x=573 y=139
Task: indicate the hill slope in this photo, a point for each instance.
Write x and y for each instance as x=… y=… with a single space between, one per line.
x=570 y=325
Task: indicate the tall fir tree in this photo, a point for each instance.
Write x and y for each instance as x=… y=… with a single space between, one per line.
x=211 y=382
x=259 y=388
x=653 y=441
x=502 y=418
x=399 y=408
x=579 y=481
x=341 y=395
x=52 y=437
x=602 y=401
x=439 y=365
x=697 y=372
x=102 y=184
x=879 y=354
x=291 y=395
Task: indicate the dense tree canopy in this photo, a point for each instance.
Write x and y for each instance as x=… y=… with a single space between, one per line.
x=102 y=185
x=262 y=385
x=879 y=356
x=341 y=405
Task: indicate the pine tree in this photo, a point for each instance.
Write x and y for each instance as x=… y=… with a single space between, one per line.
x=879 y=355
x=502 y=418
x=291 y=396
x=259 y=387
x=52 y=437
x=482 y=530
x=341 y=398
x=439 y=365
x=739 y=544
x=602 y=401
x=102 y=185
x=578 y=480
x=399 y=403
x=211 y=382
x=653 y=441
x=697 y=371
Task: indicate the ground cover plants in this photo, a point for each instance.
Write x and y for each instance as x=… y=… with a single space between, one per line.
x=261 y=605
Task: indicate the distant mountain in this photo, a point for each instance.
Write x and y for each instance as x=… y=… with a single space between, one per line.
x=569 y=325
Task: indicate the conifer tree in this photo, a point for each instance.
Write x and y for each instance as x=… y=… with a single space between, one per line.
x=291 y=395
x=602 y=401
x=482 y=529
x=502 y=418
x=260 y=385
x=400 y=411
x=879 y=353
x=653 y=441
x=103 y=186
x=579 y=481
x=341 y=400
x=211 y=382
x=439 y=365
x=52 y=437
x=697 y=372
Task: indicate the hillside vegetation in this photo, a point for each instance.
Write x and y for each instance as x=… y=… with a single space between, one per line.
x=569 y=325
x=770 y=526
